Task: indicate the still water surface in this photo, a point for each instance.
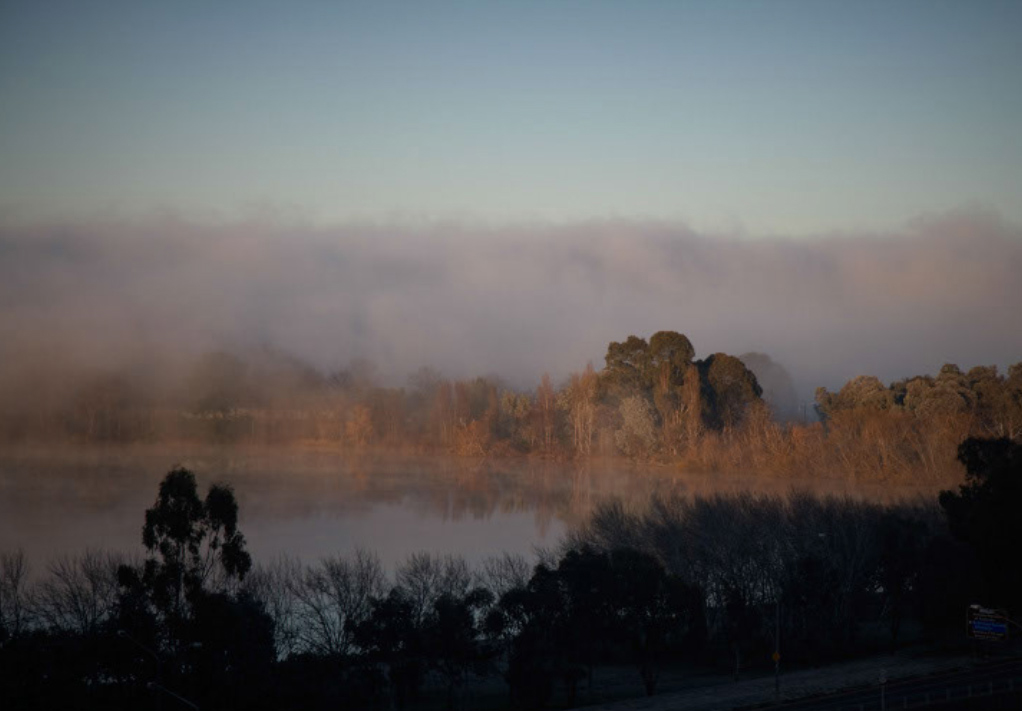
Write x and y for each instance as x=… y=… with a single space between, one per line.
x=304 y=503
x=312 y=503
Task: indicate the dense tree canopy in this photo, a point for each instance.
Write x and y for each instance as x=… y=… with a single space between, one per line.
x=731 y=389
x=687 y=397
x=627 y=365
x=984 y=513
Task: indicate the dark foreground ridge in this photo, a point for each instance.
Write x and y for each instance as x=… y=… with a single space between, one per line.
x=661 y=600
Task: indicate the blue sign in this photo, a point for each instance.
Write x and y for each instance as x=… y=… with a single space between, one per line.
x=989 y=627
x=984 y=623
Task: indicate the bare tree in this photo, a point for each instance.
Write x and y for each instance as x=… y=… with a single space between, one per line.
x=333 y=596
x=80 y=593
x=578 y=399
x=637 y=436
x=276 y=586
x=544 y=412
x=14 y=598
x=504 y=572
x=692 y=406
x=425 y=577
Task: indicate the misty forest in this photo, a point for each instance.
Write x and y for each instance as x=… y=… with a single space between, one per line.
x=653 y=401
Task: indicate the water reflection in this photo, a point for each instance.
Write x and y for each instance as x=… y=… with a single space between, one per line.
x=311 y=503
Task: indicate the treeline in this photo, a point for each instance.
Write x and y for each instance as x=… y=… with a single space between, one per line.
x=273 y=398
x=918 y=422
x=651 y=400
x=716 y=581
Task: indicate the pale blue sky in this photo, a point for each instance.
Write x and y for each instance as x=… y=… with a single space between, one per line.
x=760 y=117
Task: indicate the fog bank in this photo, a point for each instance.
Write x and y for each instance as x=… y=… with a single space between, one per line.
x=516 y=301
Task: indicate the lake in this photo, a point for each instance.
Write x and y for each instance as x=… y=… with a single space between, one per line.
x=316 y=502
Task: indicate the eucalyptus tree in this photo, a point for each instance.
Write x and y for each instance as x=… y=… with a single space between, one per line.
x=627 y=366
x=731 y=389
x=194 y=548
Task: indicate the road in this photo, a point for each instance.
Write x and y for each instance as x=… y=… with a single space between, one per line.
x=914 y=682
x=989 y=680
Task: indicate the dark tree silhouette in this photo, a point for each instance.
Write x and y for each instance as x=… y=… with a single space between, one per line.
x=231 y=651
x=197 y=542
x=455 y=641
x=900 y=561
x=196 y=559
x=392 y=636
x=654 y=613
x=985 y=514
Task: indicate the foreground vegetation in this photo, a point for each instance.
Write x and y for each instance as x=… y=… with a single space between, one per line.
x=694 y=581
x=653 y=400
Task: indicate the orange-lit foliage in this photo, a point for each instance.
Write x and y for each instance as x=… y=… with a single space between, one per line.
x=651 y=402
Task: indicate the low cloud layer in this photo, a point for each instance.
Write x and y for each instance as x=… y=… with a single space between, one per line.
x=516 y=301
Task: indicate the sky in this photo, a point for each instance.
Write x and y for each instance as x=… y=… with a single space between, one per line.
x=756 y=118
x=508 y=186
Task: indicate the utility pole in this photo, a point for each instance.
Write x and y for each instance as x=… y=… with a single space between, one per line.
x=883 y=687
x=777 y=652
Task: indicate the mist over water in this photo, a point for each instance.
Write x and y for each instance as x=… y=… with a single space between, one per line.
x=312 y=503
x=516 y=301
x=296 y=503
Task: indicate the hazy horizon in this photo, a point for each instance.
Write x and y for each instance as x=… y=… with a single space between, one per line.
x=515 y=301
